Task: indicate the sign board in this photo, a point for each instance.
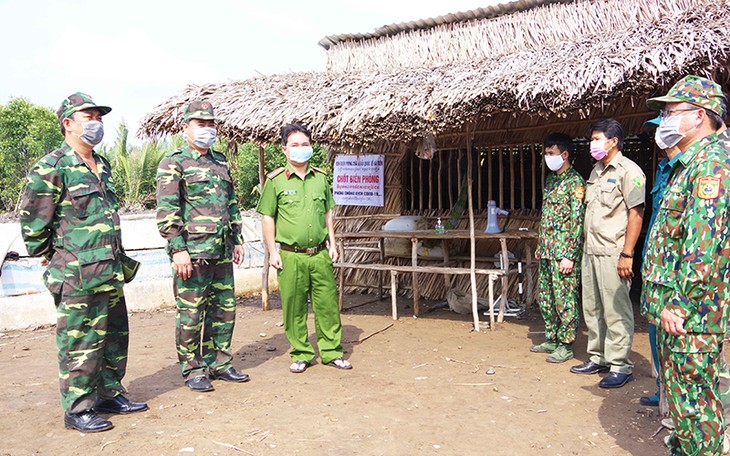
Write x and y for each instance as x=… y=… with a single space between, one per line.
x=359 y=180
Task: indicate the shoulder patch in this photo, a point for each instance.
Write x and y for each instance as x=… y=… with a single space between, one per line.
x=579 y=192
x=319 y=170
x=709 y=187
x=639 y=182
x=275 y=173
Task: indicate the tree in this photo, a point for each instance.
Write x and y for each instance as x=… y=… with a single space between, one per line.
x=27 y=132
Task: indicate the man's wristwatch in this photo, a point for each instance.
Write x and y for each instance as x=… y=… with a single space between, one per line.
x=625 y=255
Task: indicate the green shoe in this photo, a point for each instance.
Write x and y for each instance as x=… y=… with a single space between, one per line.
x=561 y=354
x=548 y=346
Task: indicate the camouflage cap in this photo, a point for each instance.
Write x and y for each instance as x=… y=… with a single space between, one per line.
x=78 y=102
x=199 y=109
x=695 y=90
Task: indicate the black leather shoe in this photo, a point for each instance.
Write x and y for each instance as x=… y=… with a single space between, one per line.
x=199 y=383
x=589 y=367
x=87 y=421
x=230 y=375
x=615 y=380
x=119 y=404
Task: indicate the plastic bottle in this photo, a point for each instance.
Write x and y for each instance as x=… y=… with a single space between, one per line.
x=440 y=227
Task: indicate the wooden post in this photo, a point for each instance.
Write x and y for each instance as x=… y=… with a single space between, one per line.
x=490 y=182
x=413 y=182
x=420 y=184
x=472 y=241
x=533 y=177
x=522 y=177
x=414 y=275
x=265 y=269
x=501 y=178
x=458 y=170
x=394 y=293
x=449 y=180
x=511 y=179
x=479 y=180
x=430 y=183
x=440 y=182
x=505 y=280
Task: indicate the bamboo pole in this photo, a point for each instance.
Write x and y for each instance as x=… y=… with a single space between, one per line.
x=413 y=182
x=522 y=177
x=451 y=187
x=458 y=169
x=472 y=241
x=430 y=183
x=533 y=176
x=420 y=184
x=490 y=179
x=440 y=183
x=479 y=180
x=511 y=179
x=265 y=270
x=501 y=177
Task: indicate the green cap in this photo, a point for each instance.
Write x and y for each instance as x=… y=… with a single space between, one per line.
x=198 y=109
x=78 y=102
x=695 y=90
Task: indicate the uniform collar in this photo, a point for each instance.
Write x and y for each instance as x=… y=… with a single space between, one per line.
x=193 y=153
x=289 y=171
x=692 y=151
x=75 y=158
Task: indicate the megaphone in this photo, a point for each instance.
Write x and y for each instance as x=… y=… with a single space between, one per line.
x=492 y=212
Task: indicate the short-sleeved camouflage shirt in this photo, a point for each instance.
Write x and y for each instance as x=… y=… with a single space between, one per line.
x=69 y=215
x=611 y=191
x=297 y=205
x=197 y=208
x=561 y=223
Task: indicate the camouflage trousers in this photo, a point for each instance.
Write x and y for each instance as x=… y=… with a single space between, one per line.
x=304 y=276
x=92 y=335
x=557 y=297
x=690 y=373
x=206 y=306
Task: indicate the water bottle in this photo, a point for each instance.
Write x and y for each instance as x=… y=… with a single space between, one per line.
x=440 y=227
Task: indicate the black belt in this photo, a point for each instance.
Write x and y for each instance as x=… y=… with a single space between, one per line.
x=309 y=251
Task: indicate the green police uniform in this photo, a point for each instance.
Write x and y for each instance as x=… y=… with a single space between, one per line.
x=560 y=236
x=68 y=214
x=687 y=270
x=197 y=211
x=298 y=207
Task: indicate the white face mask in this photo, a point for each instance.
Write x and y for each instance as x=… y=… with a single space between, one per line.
x=667 y=134
x=93 y=132
x=554 y=162
x=204 y=137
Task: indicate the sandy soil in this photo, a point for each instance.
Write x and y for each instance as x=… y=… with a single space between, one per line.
x=419 y=387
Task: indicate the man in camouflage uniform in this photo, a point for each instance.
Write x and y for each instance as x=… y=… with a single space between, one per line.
x=559 y=249
x=686 y=269
x=69 y=216
x=296 y=204
x=197 y=213
x=614 y=213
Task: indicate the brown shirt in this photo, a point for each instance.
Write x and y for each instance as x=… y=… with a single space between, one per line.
x=611 y=191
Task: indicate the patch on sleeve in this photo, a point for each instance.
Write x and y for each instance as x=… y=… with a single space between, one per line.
x=638 y=181
x=579 y=192
x=709 y=187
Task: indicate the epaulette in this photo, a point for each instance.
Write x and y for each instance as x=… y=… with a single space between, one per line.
x=174 y=152
x=54 y=157
x=275 y=173
x=319 y=170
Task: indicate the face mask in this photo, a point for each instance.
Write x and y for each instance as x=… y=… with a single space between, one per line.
x=300 y=154
x=554 y=162
x=598 y=150
x=93 y=132
x=667 y=134
x=204 y=137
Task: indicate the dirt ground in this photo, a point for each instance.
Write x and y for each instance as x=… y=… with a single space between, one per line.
x=419 y=387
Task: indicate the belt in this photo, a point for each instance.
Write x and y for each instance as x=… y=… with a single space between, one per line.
x=309 y=251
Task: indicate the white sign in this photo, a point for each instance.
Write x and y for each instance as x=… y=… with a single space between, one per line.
x=359 y=180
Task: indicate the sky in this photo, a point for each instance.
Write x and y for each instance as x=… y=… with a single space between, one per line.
x=132 y=55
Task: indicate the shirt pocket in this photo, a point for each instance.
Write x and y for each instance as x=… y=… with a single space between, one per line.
x=96 y=267
x=608 y=194
x=290 y=200
x=197 y=186
x=82 y=199
x=673 y=206
x=319 y=204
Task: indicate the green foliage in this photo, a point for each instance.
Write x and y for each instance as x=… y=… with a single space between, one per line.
x=27 y=132
x=134 y=169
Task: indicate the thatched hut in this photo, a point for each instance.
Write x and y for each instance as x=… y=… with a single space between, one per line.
x=482 y=86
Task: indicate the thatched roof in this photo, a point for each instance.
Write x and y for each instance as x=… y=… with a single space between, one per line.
x=574 y=61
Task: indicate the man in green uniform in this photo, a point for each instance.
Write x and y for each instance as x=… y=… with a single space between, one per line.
x=69 y=216
x=559 y=249
x=614 y=212
x=296 y=205
x=197 y=213
x=687 y=269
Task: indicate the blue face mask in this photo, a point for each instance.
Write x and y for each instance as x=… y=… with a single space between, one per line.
x=300 y=154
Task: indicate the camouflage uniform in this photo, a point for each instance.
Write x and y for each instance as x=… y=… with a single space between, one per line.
x=298 y=207
x=687 y=271
x=69 y=216
x=560 y=236
x=197 y=211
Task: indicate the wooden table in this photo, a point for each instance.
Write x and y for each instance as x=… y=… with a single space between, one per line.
x=414 y=269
